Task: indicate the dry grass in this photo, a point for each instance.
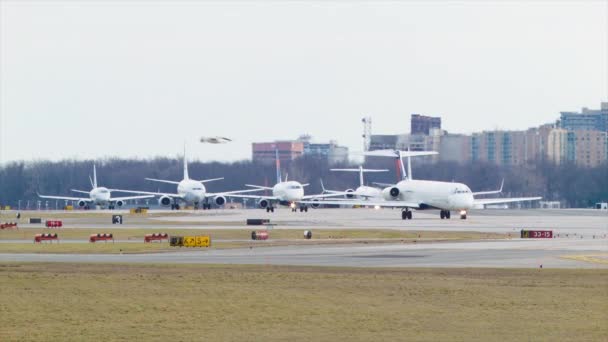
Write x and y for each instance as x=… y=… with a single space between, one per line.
x=82 y=302
x=138 y=233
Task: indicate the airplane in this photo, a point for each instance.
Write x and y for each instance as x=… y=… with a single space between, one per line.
x=411 y=194
x=99 y=195
x=189 y=191
x=288 y=193
x=215 y=140
x=363 y=191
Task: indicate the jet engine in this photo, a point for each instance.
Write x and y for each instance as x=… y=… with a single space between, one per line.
x=349 y=193
x=316 y=203
x=220 y=200
x=263 y=203
x=82 y=203
x=164 y=201
x=120 y=203
x=390 y=193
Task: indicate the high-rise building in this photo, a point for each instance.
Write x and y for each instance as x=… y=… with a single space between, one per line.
x=422 y=124
x=587 y=148
x=587 y=119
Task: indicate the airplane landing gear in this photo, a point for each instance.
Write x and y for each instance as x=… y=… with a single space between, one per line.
x=270 y=209
x=302 y=208
x=463 y=214
x=406 y=215
x=444 y=214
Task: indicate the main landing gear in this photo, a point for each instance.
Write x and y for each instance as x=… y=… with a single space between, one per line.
x=270 y=209
x=406 y=214
x=444 y=214
x=175 y=206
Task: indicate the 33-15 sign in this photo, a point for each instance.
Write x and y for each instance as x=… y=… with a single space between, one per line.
x=536 y=234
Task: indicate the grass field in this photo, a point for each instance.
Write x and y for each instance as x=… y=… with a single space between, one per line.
x=82 y=302
x=279 y=237
x=138 y=234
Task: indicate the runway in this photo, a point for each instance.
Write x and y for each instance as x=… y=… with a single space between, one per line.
x=579 y=233
x=500 y=253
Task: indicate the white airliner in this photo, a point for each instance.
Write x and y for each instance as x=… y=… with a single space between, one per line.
x=215 y=140
x=189 y=191
x=289 y=193
x=361 y=192
x=422 y=194
x=99 y=196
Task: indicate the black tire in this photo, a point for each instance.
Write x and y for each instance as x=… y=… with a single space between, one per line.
x=442 y=214
x=409 y=215
x=447 y=214
x=404 y=215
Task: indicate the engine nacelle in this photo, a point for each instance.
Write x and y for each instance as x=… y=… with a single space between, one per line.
x=82 y=203
x=263 y=203
x=165 y=201
x=316 y=203
x=350 y=193
x=120 y=203
x=390 y=193
x=220 y=200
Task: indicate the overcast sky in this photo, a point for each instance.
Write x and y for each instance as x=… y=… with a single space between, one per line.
x=86 y=79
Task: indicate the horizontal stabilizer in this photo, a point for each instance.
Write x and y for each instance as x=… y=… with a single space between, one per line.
x=397 y=153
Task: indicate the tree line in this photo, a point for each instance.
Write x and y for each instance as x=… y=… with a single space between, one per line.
x=572 y=185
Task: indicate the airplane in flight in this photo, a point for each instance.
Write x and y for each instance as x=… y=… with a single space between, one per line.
x=189 y=191
x=284 y=192
x=410 y=194
x=361 y=192
x=215 y=140
x=98 y=195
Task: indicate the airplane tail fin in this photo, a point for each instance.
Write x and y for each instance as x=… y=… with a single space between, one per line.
x=361 y=171
x=185 y=164
x=398 y=155
x=278 y=165
x=94 y=180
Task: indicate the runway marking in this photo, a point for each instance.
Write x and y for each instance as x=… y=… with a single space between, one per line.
x=592 y=258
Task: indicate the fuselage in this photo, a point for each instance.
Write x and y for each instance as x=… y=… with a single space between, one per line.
x=433 y=194
x=192 y=191
x=368 y=192
x=288 y=191
x=100 y=195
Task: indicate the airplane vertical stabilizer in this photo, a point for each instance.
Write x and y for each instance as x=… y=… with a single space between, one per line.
x=185 y=164
x=278 y=166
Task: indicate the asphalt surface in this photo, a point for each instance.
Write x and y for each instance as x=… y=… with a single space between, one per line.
x=581 y=233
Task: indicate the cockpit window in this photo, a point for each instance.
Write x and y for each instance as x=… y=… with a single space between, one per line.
x=295 y=187
x=197 y=188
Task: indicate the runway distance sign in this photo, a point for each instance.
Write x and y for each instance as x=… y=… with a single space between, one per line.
x=536 y=234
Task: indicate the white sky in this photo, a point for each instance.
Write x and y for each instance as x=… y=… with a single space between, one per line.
x=90 y=79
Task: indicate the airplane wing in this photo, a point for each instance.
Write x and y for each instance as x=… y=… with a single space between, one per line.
x=162 y=181
x=271 y=198
x=387 y=204
x=490 y=192
x=148 y=193
x=65 y=198
x=504 y=200
x=81 y=191
x=333 y=194
x=113 y=199
x=383 y=184
x=231 y=193
x=258 y=187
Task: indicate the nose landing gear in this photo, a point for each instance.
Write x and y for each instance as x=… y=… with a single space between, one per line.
x=463 y=214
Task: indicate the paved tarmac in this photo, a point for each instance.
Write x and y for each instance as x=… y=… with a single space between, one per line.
x=499 y=253
x=582 y=234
